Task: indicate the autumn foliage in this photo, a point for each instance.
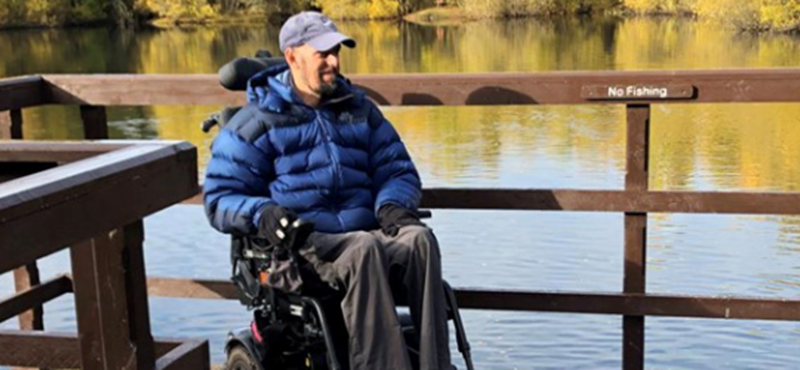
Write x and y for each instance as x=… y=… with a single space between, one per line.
x=777 y=15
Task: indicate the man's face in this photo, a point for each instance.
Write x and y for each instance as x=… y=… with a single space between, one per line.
x=315 y=69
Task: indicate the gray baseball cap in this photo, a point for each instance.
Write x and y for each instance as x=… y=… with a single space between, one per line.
x=314 y=29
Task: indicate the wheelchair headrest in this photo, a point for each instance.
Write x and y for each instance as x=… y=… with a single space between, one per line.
x=235 y=74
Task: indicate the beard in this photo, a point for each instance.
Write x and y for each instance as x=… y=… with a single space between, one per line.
x=326 y=88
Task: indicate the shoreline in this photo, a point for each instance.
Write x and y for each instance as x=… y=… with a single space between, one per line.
x=156 y=23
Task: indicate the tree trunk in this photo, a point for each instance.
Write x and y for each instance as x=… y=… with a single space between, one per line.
x=121 y=12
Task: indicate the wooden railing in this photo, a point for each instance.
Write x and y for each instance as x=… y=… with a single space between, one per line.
x=637 y=91
x=92 y=200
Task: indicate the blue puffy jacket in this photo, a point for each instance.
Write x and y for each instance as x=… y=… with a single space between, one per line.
x=334 y=165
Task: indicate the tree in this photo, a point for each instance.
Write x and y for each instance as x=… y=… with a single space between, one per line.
x=121 y=12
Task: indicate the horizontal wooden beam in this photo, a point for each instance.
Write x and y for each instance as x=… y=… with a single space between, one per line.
x=35 y=296
x=725 y=86
x=85 y=198
x=55 y=151
x=614 y=201
x=606 y=201
x=139 y=90
x=589 y=303
x=632 y=304
x=195 y=288
x=59 y=350
x=765 y=85
x=197 y=199
x=190 y=355
x=22 y=92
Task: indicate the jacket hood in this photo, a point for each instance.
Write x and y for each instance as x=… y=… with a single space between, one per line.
x=271 y=90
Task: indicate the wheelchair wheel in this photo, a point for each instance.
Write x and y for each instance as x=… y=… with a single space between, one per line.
x=239 y=359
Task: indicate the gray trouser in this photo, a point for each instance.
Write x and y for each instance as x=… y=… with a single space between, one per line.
x=374 y=269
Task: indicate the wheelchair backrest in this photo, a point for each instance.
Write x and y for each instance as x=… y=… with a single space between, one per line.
x=234 y=76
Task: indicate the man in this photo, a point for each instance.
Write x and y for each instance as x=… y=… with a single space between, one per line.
x=310 y=146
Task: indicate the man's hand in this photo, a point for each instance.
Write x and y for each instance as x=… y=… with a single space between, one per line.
x=392 y=217
x=275 y=223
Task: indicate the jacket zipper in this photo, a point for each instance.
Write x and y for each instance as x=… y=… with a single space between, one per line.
x=337 y=171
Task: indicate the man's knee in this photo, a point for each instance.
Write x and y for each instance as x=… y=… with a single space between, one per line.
x=363 y=256
x=364 y=245
x=420 y=239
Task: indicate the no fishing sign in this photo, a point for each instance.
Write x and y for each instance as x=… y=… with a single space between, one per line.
x=637 y=92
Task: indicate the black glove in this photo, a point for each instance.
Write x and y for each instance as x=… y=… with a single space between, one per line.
x=276 y=224
x=298 y=233
x=392 y=217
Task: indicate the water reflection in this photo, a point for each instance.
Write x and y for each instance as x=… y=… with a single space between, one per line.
x=733 y=147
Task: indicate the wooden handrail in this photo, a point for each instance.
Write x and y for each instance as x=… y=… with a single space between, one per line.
x=35 y=296
x=56 y=152
x=701 y=86
x=754 y=308
x=22 y=92
x=93 y=205
x=91 y=196
x=606 y=201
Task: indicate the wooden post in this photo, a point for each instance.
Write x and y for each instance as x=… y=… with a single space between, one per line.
x=136 y=283
x=111 y=301
x=95 y=122
x=25 y=277
x=636 y=178
x=11 y=124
